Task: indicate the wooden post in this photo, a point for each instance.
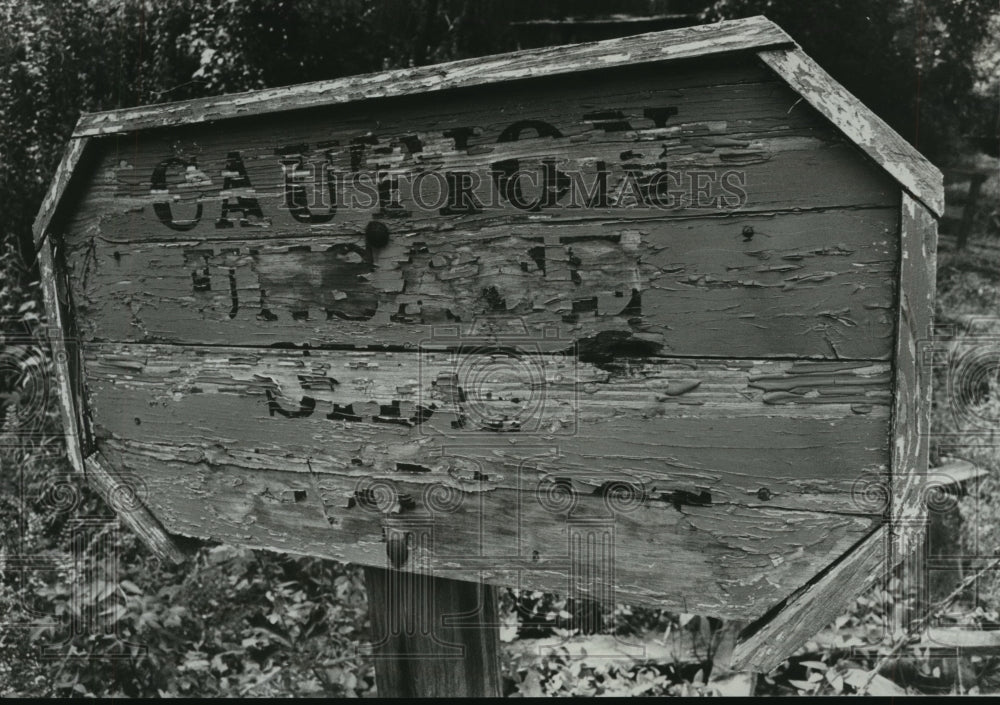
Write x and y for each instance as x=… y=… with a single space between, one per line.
x=433 y=637
x=968 y=213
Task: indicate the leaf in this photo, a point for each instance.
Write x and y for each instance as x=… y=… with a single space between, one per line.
x=816 y=665
x=880 y=685
x=835 y=680
x=531 y=684
x=218 y=664
x=131 y=587
x=508 y=628
x=803 y=685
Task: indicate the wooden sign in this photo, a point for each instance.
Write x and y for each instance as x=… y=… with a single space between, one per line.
x=639 y=318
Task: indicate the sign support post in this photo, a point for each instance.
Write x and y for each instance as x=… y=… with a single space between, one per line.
x=433 y=637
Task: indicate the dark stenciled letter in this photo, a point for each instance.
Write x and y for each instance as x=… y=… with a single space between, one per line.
x=296 y=171
x=506 y=173
x=235 y=177
x=158 y=183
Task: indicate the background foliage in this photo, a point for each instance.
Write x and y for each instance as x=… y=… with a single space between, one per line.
x=235 y=622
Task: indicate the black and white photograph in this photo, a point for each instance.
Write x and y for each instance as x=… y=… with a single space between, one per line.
x=499 y=348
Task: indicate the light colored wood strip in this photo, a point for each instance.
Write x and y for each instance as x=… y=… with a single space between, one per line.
x=688 y=42
x=54 y=297
x=127 y=495
x=918 y=176
x=964 y=639
x=955 y=471
x=72 y=423
x=912 y=394
x=57 y=187
x=806 y=612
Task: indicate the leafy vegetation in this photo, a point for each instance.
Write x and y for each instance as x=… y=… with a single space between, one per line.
x=237 y=622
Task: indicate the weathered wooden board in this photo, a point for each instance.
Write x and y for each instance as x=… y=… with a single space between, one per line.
x=63 y=338
x=808 y=284
x=787 y=434
x=126 y=494
x=922 y=180
x=772 y=639
x=705 y=41
x=728 y=134
x=726 y=560
x=912 y=392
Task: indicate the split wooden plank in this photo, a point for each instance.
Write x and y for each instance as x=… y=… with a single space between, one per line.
x=922 y=180
x=912 y=393
x=802 y=435
x=127 y=496
x=62 y=340
x=706 y=40
x=68 y=401
x=810 y=284
x=736 y=560
x=798 y=618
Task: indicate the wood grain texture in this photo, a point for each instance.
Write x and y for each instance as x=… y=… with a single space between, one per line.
x=736 y=560
x=121 y=496
x=918 y=176
x=126 y=495
x=800 y=617
x=725 y=127
x=912 y=394
x=55 y=290
x=807 y=284
x=68 y=400
x=66 y=171
x=797 y=435
x=689 y=42
x=803 y=614
x=433 y=637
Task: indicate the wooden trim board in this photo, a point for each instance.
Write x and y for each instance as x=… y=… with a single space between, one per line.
x=54 y=295
x=912 y=394
x=688 y=42
x=769 y=641
x=126 y=499
x=57 y=189
x=910 y=168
